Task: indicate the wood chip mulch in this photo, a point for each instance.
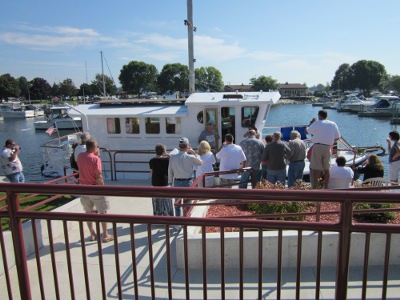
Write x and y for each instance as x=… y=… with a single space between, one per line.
x=215 y=211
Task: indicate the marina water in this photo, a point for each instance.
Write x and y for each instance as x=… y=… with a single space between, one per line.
x=356 y=130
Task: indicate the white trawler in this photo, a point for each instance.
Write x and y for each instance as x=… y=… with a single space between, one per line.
x=123 y=126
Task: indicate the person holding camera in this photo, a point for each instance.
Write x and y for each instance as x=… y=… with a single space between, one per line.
x=11 y=163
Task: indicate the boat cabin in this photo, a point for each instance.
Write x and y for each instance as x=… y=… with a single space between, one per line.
x=141 y=124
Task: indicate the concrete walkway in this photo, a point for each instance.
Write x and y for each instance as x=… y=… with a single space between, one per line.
x=123 y=205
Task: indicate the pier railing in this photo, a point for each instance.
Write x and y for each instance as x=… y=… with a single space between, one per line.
x=49 y=250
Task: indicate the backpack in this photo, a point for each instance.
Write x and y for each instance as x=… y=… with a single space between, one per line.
x=72 y=161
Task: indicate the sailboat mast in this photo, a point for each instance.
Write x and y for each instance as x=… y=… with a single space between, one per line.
x=102 y=73
x=190 y=46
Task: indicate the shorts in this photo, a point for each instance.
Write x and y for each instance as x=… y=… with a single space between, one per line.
x=394 y=168
x=99 y=202
x=320 y=157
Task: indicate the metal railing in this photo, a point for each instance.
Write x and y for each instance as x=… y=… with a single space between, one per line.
x=139 y=235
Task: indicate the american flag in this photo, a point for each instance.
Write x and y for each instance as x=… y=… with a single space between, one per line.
x=51 y=129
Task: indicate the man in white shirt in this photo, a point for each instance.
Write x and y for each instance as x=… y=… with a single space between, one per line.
x=341 y=176
x=231 y=157
x=180 y=168
x=324 y=135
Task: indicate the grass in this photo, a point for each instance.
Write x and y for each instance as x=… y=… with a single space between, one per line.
x=63 y=199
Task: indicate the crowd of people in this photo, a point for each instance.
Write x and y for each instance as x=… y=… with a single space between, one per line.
x=261 y=160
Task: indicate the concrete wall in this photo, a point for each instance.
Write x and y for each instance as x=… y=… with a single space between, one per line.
x=289 y=249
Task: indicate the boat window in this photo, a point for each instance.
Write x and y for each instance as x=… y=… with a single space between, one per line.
x=200 y=117
x=173 y=125
x=249 y=115
x=113 y=125
x=227 y=121
x=132 y=125
x=152 y=125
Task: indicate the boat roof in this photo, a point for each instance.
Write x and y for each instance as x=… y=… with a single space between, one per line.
x=127 y=111
x=168 y=107
x=209 y=98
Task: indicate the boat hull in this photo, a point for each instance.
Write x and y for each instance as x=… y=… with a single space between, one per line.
x=18 y=114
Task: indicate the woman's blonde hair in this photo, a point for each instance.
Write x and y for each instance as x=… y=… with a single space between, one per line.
x=374 y=161
x=204 y=147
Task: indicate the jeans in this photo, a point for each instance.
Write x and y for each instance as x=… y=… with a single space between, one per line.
x=16 y=177
x=277 y=175
x=264 y=172
x=295 y=172
x=181 y=183
x=245 y=177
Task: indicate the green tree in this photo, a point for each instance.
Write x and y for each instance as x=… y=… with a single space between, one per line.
x=55 y=90
x=24 y=86
x=8 y=86
x=138 y=77
x=96 y=87
x=264 y=83
x=391 y=83
x=367 y=75
x=173 y=77
x=341 y=80
x=67 y=88
x=40 y=89
x=85 y=90
x=208 y=79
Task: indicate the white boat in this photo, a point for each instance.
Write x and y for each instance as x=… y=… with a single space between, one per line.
x=386 y=106
x=128 y=130
x=59 y=118
x=14 y=110
x=352 y=103
x=140 y=124
x=39 y=112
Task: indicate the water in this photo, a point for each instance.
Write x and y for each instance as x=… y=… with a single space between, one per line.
x=357 y=131
x=25 y=135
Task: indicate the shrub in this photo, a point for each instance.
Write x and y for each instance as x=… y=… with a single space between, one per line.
x=382 y=217
x=280 y=208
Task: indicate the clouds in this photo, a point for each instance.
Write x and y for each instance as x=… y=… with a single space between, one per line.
x=53 y=38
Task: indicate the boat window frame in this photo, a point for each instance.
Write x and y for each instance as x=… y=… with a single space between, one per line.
x=249 y=118
x=115 y=127
x=135 y=126
x=155 y=127
x=173 y=127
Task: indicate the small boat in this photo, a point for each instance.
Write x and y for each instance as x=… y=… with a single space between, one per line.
x=385 y=107
x=321 y=101
x=39 y=112
x=58 y=117
x=352 y=103
x=14 y=110
x=330 y=105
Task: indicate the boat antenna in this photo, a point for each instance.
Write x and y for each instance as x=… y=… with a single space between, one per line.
x=189 y=23
x=102 y=73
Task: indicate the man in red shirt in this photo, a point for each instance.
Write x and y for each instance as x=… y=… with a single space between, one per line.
x=90 y=169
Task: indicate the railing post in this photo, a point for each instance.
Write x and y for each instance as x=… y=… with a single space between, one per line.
x=342 y=273
x=19 y=246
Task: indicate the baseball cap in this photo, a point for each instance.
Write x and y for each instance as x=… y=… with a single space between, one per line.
x=183 y=141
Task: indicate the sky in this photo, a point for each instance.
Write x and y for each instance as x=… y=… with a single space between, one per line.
x=295 y=41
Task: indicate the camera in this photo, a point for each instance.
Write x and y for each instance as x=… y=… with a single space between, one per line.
x=17 y=147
